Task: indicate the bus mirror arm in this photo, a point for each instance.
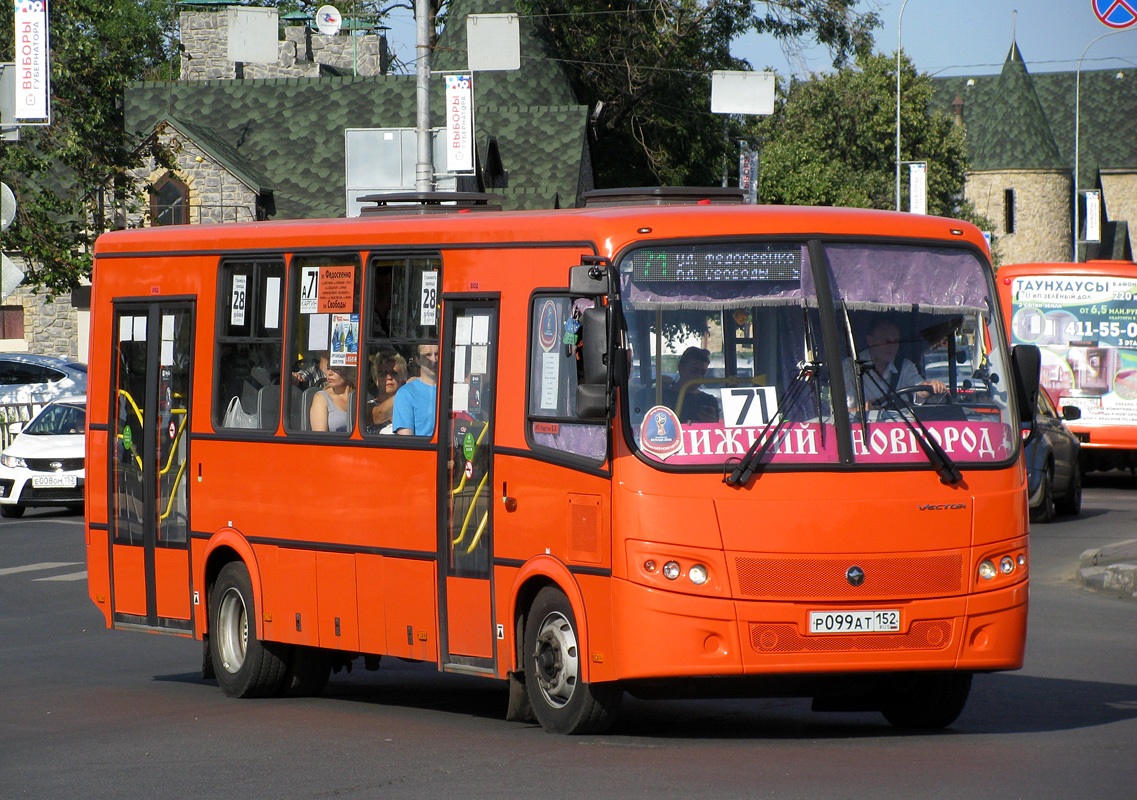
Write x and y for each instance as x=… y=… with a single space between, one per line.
x=1026 y=365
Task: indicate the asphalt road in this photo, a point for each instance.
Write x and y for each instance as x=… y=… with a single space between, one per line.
x=91 y=713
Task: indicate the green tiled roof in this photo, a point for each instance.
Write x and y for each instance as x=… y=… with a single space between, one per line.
x=996 y=140
x=289 y=133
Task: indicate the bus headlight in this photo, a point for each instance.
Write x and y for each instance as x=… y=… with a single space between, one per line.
x=1007 y=565
x=697 y=574
x=987 y=569
x=671 y=570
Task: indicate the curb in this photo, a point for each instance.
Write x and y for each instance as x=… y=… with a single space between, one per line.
x=1110 y=570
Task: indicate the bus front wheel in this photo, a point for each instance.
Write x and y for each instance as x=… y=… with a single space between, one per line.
x=926 y=700
x=243 y=665
x=561 y=701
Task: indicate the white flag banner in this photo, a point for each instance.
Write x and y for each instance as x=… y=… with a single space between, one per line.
x=459 y=123
x=918 y=188
x=748 y=175
x=33 y=77
x=1093 y=216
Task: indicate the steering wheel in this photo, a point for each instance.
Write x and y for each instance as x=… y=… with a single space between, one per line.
x=935 y=400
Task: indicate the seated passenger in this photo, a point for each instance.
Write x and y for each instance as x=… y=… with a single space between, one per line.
x=389 y=372
x=312 y=373
x=331 y=406
x=697 y=405
x=883 y=340
x=416 y=401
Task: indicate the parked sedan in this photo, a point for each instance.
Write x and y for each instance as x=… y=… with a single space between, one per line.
x=28 y=378
x=44 y=465
x=1053 y=476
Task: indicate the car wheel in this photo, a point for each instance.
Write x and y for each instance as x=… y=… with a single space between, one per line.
x=1071 y=503
x=1044 y=511
x=11 y=511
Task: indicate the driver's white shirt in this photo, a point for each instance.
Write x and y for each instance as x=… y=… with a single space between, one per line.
x=909 y=376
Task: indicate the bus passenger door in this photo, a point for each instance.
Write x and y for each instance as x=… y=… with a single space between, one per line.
x=149 y=508
x=466 y=484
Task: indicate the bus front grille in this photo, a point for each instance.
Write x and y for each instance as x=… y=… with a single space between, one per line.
x=821 y=579
x=778 y=637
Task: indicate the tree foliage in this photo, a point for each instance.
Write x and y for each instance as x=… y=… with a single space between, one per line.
x=644 y=67
x=59 y=172
x=832 y=140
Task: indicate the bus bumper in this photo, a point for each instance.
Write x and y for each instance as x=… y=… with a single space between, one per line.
x=665 y=634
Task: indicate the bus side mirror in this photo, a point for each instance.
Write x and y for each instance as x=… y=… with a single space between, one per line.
x=1071 y=413
x=591 y=401
x=594 y=344
x=589 y=280
x=1026 y=363
x=592 y=394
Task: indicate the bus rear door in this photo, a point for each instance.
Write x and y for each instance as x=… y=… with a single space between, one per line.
x=149 y=484
x=466 y=483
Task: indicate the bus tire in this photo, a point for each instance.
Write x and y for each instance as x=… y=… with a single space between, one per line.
x=11 y=510
x=927 y=701
x=308 y=671
x=560 y=700
x=243 y=664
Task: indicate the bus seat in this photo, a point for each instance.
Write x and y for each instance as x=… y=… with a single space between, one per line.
x=268 y=406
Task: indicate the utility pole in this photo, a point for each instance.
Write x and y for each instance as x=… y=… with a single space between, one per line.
x=424 y=166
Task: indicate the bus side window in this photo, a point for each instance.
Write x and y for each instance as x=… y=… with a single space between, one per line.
x=249 y=343
x=323 y=347
x=402 y=314
x=554 y=373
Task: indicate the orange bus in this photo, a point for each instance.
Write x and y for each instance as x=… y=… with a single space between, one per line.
x=628 y=448
x=1083 y=318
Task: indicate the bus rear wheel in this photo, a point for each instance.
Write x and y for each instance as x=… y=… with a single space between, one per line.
x=243 y=665
x=561 y=701
x=926 y=700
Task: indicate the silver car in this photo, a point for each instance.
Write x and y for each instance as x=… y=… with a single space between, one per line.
x=26 y=378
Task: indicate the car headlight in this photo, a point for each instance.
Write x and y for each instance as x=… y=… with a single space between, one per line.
x=13 y=462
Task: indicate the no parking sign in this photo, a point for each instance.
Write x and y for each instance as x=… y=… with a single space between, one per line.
x=1116 y=13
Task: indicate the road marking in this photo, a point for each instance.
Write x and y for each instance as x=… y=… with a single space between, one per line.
x=71 y=576
x=40 y=566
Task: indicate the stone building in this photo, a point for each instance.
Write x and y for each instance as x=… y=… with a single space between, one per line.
x=1021 y=142
x=255 y=141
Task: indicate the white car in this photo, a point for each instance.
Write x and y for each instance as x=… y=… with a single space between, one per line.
x=44 y=465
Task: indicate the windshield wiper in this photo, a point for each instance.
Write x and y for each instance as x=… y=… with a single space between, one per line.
x=947 y=470
x=744 y=469
x=859 y=370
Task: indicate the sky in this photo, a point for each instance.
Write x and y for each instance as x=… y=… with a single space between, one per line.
x=945 y=37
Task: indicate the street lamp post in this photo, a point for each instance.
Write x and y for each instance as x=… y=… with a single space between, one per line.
x=424 y=165
x=1077 y=132
x=899 y=25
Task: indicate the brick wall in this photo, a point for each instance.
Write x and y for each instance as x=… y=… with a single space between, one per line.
x=1043 y=217
x=205 y=34
x=1119 y=191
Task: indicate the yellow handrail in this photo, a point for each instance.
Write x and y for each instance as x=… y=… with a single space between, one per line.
x=470 y=510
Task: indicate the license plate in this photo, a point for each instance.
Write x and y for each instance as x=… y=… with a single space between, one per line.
x=877 y=621
x=54 y=481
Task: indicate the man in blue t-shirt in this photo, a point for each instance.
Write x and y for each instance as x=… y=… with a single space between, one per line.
x=416 y=401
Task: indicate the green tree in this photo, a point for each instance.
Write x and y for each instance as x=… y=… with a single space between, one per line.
x=644 y=67
x=832 y=140
x=60 y=173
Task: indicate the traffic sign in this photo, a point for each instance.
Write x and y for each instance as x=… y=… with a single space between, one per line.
x=7 y=206
x=1116 y=13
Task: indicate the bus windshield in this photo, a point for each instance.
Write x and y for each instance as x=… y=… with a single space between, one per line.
x=732 y=344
